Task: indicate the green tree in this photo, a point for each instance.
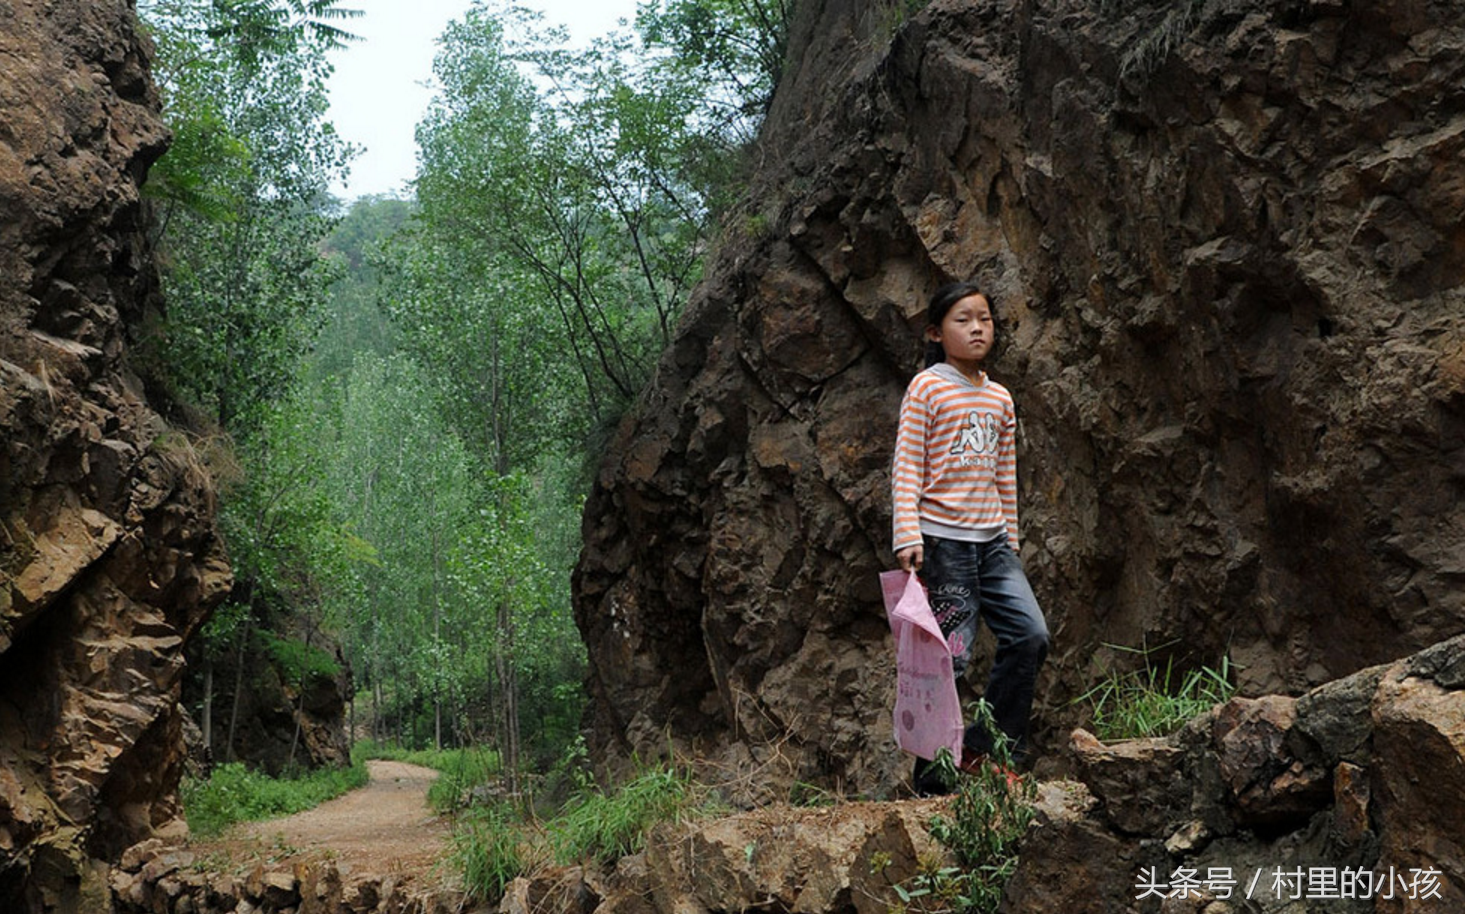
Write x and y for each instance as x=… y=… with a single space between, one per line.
x=241 y=206
x=564 y=201
x=582 y=197
x=734 y=49
x=242 y=197
x=291 y=556
x=354 y=323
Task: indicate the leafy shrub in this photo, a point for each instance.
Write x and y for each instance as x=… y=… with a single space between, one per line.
x=234 y=793
x=936 y=888
x=298 y=661
x=990 y=814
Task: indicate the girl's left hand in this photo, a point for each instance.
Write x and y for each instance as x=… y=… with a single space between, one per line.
x=910 y=557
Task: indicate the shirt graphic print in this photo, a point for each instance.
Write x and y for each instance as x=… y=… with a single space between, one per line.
x=954 y=473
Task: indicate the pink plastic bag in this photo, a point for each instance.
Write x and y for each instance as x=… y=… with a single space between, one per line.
x=927 y=711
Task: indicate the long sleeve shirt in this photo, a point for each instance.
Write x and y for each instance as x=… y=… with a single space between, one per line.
x=954 y=473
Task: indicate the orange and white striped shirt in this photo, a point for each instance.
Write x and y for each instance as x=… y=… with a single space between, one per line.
x=955 y=468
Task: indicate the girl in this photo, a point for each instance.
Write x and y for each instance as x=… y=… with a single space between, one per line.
x=954 y=487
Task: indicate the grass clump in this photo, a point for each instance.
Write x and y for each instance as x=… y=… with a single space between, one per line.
x=607 y=826
x=491 y=847
x=499 y=840
x=1155 y=700
x=233 y=793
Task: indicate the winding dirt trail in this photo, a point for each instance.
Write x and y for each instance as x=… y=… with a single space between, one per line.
x=383 y=828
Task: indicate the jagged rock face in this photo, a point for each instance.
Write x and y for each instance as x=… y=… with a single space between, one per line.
x=1356 y=780
x=1231 y=294
x=108 y=559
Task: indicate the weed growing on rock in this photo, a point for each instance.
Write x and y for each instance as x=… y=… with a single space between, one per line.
x=607 y=826
x=488 y=849
x=1155 y=701
x=494 y=843
x=936 y=888
x=990 y=814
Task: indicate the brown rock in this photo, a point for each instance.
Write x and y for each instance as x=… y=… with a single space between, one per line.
x=805 y=861
x=1418 y=783
x=142 y=852
x=563 y=890
x=277 y=890
x=1233 y=303
x=1350 y=804
x=1393 y=816
x=1141 y=785
x=1070 y=861
x=321 y=888
x=108 y=558
x=1269 y=787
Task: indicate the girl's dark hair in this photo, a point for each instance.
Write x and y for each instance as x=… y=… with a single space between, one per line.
x=941 y=302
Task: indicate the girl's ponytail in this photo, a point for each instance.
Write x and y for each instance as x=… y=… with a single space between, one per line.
x=935 y=355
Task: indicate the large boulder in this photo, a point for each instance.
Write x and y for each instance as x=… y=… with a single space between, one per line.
x=1224 y=241
x=108 y=555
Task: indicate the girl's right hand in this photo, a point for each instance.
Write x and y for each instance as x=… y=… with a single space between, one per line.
x=910 y=557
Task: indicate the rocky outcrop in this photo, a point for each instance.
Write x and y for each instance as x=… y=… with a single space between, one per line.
x=280 y=724
x=108 y=558
x=1349 y=798
x=154 y=876
x=1224 y=240
x=817 y=861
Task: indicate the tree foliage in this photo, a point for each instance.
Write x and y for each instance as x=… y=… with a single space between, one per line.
x=241 y=206
x=585 y=203
x=243 y=195
x=735 y=49
x=413 y=388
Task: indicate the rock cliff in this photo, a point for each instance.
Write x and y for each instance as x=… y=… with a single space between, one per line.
x=108 y=558
x=1225 y=242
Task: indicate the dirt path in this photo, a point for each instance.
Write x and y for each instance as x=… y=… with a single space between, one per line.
x=383 y=828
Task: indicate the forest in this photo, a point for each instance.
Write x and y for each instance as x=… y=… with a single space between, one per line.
x=402 y=401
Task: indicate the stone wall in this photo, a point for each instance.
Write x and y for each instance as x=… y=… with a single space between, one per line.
x=1230 y=279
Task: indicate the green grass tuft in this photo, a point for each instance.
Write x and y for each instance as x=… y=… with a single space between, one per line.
x=490 y=850
x=1155 y=700
x=494 y=842
x=606 y=826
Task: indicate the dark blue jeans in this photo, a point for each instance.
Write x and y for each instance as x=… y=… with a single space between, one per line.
x=969 y=582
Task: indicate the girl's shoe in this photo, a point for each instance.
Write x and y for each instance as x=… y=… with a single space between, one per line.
x=978 y=764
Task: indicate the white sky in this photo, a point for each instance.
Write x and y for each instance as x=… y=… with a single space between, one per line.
x=380 y=89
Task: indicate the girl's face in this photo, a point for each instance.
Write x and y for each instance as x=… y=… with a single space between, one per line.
x=966 y=332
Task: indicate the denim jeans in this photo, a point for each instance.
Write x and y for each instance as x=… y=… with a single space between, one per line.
x=968 y=582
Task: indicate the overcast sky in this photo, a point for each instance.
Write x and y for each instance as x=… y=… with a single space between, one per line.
x=380 y=88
